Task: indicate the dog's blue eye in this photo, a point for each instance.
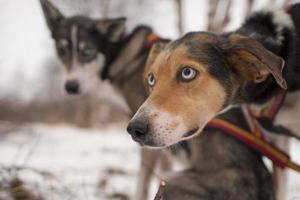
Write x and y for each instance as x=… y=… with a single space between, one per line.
x=151 y=80
x=188 y=73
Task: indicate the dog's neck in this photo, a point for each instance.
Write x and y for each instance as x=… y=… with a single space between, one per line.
x=216 y=152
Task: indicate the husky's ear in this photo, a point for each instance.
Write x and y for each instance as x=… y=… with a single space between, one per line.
x=51 y=13
x=252 y=61
x=112 y=28
x=154 y=52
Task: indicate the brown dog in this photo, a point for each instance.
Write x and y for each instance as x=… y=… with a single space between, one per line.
x=201 y=75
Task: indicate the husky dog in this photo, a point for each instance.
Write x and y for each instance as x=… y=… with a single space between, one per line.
x=84 y=46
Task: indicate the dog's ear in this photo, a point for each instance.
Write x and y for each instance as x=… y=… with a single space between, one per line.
x=112 y=28
x=251 y=60
x=51 y=13
x=154 y=52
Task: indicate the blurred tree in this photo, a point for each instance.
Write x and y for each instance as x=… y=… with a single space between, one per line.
x=179 y=14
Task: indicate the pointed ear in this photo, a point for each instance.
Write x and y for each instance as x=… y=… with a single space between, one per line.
x=154 y=52
x=252 y=60
x=112 y=28
x=51 y=13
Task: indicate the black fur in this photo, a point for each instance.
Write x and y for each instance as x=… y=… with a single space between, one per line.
x=262 y=24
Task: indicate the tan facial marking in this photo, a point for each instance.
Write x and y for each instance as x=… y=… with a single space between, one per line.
x=178 y=97
x=175 y=108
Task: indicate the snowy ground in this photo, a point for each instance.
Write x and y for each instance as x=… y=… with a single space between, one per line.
x=63 y=162
x=78 y=163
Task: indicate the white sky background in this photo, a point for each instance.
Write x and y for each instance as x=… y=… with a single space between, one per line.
x=25 y=47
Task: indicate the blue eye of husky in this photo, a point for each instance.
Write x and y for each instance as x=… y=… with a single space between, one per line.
x=188 y=74
x=151 y=80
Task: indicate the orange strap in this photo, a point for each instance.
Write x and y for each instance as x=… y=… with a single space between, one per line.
x=256 y=142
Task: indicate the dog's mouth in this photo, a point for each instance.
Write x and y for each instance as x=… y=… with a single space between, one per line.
x=190 y=133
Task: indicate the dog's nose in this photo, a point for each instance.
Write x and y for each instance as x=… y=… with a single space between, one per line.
x=138 y=131
x=72 y=87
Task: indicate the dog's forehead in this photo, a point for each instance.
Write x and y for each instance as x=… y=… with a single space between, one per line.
x=200 y=47
x=199 y=37
x=64 y=27
x=166 y=58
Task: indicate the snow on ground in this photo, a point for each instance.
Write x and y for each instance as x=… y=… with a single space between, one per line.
x=84 y=164
x=64 y=162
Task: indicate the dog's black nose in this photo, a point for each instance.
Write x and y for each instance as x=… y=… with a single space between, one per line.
x=138 y=130
x=72 y=87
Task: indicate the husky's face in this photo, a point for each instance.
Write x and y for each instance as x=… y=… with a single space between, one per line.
x=83 y=46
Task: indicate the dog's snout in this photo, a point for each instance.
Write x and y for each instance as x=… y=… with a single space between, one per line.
x=72 y=87
x=138 y=130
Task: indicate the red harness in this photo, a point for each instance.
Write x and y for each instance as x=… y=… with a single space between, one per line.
x=255 y=138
